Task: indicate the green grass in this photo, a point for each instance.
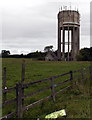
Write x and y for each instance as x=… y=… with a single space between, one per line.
x=76 y=101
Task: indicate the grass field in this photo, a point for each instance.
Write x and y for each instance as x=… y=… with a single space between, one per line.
x=76 y=101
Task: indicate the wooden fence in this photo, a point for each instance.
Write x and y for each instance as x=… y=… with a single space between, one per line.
x=19 y=89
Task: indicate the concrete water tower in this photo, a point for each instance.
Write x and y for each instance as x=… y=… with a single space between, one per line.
x=68 y=21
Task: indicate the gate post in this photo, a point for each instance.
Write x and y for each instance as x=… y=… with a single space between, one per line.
x=52 y=89
x=19 y=112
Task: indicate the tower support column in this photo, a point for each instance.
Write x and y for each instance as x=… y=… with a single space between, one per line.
x=68 y=42
x=63 y=44
x=59 y=43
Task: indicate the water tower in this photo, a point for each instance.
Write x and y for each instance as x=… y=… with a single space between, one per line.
x=68 y=22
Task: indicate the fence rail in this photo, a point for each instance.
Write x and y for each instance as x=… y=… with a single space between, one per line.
x=8 y=116
x=5 y=90
x=37 y=102
x=19 y=90
x=9 y=101
x=38 y=91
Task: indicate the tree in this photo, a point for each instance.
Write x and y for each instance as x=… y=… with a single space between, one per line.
x=48 y=48
x=5 y=53
x=85 y=54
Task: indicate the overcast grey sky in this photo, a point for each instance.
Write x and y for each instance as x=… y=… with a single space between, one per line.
x=30 y=25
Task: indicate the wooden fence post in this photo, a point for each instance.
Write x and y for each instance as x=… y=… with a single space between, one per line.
x=52 y=89
x=23 y=78
x=4 y=82
x=82 y=75
x=90 y=70
x=19 y=112
x=71 y=77
x=23 y=72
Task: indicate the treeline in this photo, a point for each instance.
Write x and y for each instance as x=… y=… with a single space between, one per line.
x=34 y=55
x=85 y=54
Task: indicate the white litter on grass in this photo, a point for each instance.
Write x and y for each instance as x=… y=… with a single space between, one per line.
x=56 y=114
x=5 y=88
